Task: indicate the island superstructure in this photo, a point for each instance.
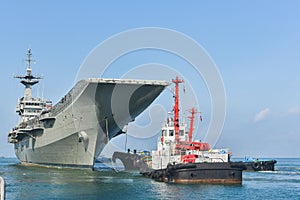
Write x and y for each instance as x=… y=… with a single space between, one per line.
x=73 y=132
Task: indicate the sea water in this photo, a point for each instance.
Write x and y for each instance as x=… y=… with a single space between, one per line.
x=104 y=183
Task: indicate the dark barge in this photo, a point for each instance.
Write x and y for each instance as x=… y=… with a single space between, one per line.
x=211 y=173
x=256 y=165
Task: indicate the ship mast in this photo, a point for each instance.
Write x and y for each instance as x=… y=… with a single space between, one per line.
x=176 y=107
x=193 y=111
x=28 y=80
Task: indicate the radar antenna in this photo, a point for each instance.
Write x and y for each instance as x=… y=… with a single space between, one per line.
x=28 y=80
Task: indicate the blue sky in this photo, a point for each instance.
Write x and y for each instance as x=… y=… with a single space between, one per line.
x=255 y=45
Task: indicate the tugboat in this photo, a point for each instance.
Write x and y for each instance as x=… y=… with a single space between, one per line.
x=132 y=161
x=179 y=159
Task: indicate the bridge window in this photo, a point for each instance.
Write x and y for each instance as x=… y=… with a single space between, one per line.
x=171 y=132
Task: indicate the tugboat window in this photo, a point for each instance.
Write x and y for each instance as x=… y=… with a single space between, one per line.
x=181 y=132
x=171 y=132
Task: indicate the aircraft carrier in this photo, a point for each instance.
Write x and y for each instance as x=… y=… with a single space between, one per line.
x=73 y=132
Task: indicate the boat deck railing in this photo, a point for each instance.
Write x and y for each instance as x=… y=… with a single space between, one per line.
x=2 y=189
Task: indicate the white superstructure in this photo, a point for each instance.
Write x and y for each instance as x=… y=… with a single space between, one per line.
x=176 y=144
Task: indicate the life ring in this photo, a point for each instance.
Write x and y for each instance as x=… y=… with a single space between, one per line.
x=256 y=165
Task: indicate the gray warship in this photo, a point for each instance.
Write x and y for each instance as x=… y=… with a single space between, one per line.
x=73 y=132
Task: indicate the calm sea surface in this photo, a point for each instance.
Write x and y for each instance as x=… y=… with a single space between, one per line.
x=43 y=183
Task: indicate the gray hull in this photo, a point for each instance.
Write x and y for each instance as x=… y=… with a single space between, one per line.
x=76 y=130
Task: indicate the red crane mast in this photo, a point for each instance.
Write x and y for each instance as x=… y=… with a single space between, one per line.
x=193 y=111
x=176 y=107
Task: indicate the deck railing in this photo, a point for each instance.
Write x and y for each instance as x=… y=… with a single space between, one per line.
x=2 y=189
x=68 y=98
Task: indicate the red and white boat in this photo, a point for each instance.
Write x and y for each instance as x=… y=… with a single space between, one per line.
x=180 y=159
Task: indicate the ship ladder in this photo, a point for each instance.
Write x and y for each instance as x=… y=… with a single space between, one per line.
x=2 y=189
